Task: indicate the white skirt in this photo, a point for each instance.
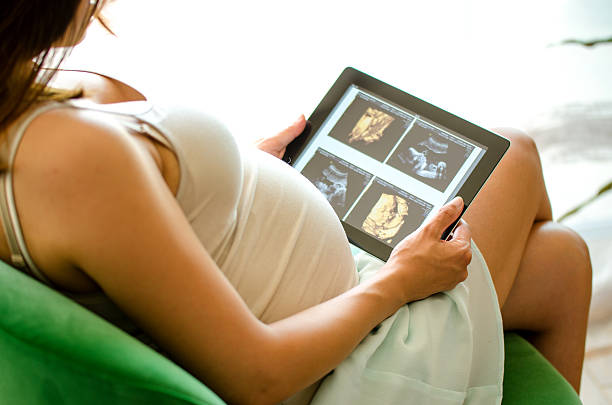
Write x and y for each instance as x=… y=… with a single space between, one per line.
x=447 y=349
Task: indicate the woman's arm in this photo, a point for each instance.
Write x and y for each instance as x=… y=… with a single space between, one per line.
x=104 y=208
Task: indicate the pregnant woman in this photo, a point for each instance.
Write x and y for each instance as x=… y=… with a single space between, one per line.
x=236 y=267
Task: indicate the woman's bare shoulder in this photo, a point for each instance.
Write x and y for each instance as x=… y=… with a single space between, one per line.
x=61 y=144
x=67 y=135
x=66 y=159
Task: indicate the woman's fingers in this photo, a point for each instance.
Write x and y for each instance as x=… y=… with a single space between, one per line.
x=275 y=145
x=462 y=237
x=462 y=232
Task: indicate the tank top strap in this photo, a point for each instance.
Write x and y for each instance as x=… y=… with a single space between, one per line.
x=20 y=258
x=139 y=116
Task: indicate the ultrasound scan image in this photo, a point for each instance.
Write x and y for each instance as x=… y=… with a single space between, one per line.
x=387 y=212
x=386 y=217
x=430 y=155
x=427 y=159
x=370 y=127
x=333 y=183
x=338 y=180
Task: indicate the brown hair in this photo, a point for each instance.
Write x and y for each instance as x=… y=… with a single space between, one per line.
x=29 y=31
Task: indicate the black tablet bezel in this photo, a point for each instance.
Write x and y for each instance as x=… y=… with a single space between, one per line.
x=496 y=145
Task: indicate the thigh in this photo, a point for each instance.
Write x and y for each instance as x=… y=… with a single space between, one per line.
x=505 y=210
x=553 y=283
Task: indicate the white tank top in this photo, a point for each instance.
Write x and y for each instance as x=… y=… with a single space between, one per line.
x=270 y=231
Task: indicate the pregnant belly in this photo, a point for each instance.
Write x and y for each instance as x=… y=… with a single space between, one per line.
x=289 y=250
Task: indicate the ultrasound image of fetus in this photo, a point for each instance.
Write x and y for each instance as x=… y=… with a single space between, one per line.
x=333 y=183
x=339 y=181
x=370 y=127
x=426 y=159
x=386 y=217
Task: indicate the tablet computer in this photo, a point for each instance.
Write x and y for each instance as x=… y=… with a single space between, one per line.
x=386 y=160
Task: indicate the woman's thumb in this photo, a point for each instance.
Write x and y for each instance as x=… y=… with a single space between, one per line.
x=293 y=130
x=446 y=216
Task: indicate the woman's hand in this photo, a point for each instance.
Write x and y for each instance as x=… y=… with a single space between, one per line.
x=427 y=264
x=276 y=145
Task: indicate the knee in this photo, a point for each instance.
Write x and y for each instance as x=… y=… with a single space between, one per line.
x=523 y=151
x=520 y=142
x=577 y=262
x=583 y=260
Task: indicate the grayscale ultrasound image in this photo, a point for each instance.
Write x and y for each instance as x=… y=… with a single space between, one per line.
x=427 y=159
x=430 y=155
x=339 y=181
x=332 y=183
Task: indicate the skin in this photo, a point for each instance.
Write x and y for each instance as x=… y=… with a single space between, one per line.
x=71 y=163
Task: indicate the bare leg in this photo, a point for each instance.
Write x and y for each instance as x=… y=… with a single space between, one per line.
x=505 y=210
x=507 y=221
x=550 y=297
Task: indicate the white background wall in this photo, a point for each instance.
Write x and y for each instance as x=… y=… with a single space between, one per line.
x=259 y=64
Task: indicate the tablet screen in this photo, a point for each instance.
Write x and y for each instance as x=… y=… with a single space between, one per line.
x=383 y=168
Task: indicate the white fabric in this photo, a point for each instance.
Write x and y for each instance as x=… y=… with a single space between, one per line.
x=269 y=229
x=446 y=349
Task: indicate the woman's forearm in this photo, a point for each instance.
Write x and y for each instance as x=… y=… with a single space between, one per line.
x=303 y=348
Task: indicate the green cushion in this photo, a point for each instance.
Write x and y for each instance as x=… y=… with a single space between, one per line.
x=53 y=351
x=530 y=379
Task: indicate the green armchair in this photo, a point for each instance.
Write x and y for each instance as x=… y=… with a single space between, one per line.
x=53 y=351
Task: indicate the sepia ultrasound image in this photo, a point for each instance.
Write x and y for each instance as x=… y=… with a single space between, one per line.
x=430 y=155
x=388 y=213
x=339 y=181
x=386 y=217
x=370 y=127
